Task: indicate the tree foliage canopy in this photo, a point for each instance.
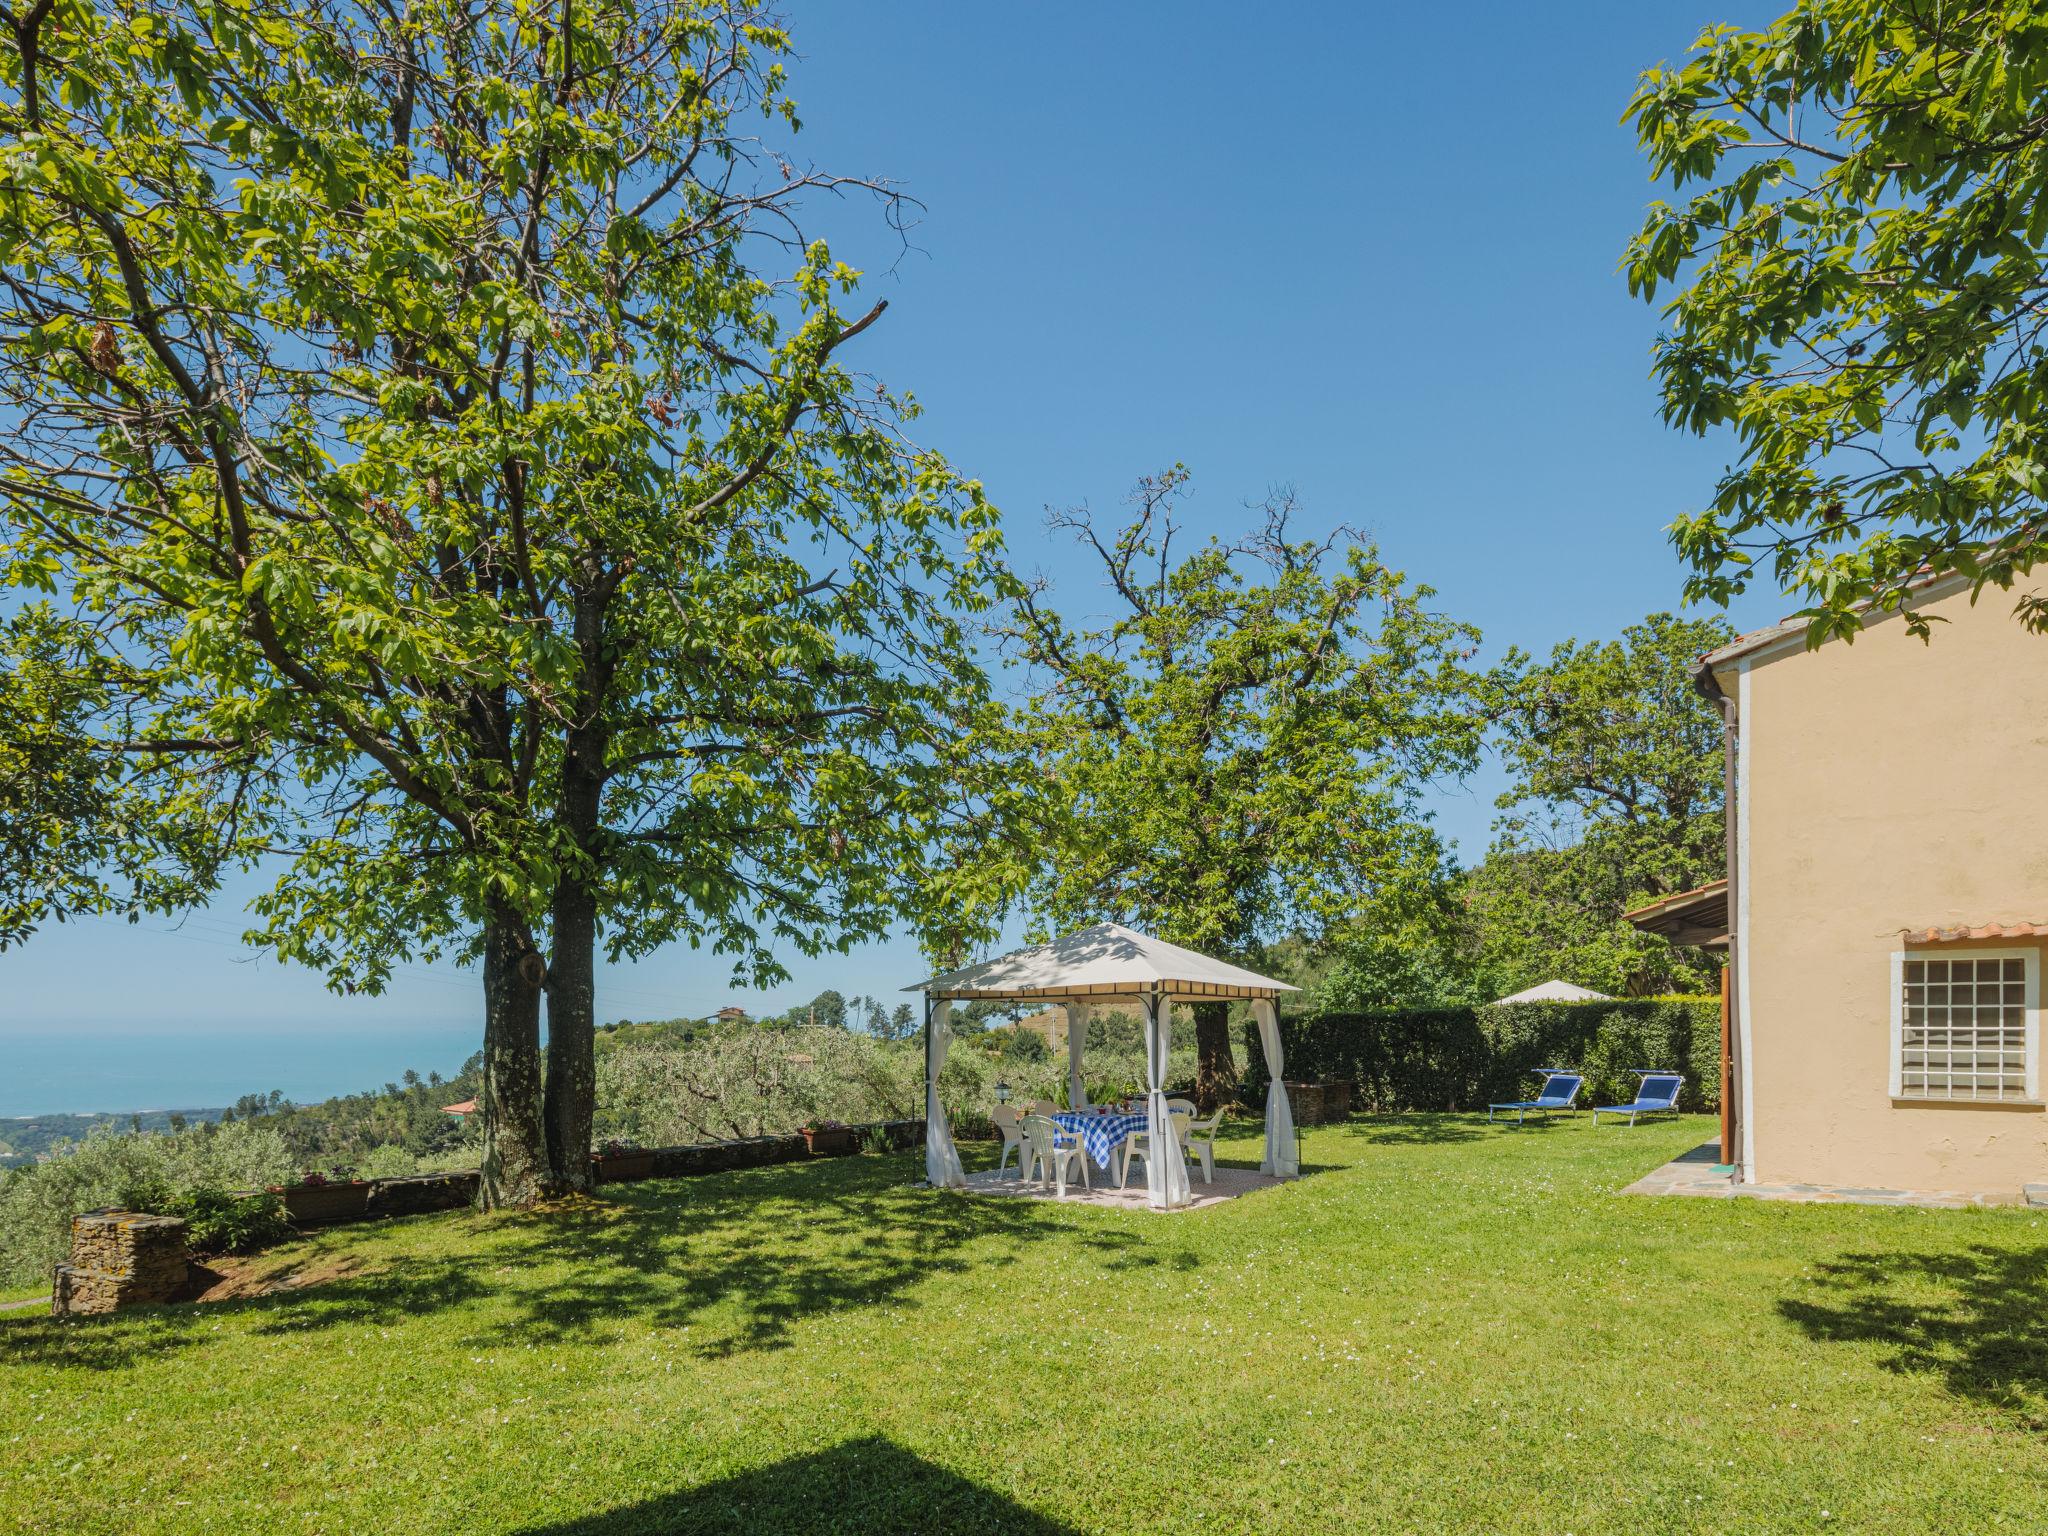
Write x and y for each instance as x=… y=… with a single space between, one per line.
x=1615 y=799
x=1858 y=267
x=76 y=840
x=443 y=412
x=1240 y=744
x=400 y=384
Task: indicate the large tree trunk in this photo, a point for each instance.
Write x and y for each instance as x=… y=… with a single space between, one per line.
x=572 y=1028
x=515 y=1165
x=1215 y=1067
x=572 y=977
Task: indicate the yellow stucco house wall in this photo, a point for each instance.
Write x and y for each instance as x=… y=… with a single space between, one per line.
x=1889 y=795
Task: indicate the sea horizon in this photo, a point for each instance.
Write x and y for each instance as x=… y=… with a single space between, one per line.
x=51 y=1070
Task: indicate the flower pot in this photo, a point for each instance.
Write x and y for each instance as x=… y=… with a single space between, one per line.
x=623 y=1167
x=828 y=1140
x=314 y=1205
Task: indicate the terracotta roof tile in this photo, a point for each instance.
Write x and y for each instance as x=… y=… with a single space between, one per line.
x=1960 y=931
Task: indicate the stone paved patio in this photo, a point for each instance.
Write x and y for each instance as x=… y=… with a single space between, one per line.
x=1230 y=1183
x=1695 y=1174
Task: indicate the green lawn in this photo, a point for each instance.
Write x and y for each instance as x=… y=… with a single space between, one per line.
x=1447 y=1327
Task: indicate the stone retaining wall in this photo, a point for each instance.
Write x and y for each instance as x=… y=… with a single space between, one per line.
x=453 y=1191
x=420 y=1192
x=130 y=1258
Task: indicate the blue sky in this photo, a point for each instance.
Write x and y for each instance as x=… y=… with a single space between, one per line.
x=1371 y=253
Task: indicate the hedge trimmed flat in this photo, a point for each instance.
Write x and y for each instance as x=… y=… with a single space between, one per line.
x=1658 y=1095
x=1560 y=1087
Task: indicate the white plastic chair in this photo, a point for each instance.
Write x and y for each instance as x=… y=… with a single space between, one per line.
x=1011 y=1124
x=1200 y=1139
x=1048 y=1150
x=1139 y=1143
x=1041 y=1107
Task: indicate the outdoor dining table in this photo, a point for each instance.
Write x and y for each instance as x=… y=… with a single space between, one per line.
x=1101 y=1134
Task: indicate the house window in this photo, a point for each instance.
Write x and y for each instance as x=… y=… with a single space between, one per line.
x=1964 y=1026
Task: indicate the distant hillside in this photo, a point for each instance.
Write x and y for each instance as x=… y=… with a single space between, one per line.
x=24 y=1139
x=338 y=1132
x=626 y=1032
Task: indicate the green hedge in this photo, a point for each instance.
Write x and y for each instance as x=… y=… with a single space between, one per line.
x=1465 y=1058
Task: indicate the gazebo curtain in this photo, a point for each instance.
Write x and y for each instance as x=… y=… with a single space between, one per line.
x=1280 y=1158
x=1077 y=1037
x=941 y=1158
x=1166 y=1175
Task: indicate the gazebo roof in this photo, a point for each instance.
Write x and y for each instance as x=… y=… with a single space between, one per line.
x=1104 y=961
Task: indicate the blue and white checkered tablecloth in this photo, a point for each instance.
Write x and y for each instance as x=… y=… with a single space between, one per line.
x=1100 y=1134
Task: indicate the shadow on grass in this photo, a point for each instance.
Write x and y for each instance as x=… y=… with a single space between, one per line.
x=389 y=1293
x=870 y=1485
x=1972 y=1318
x=739 y=1258
x=1414 y=1129
x=766 y=1250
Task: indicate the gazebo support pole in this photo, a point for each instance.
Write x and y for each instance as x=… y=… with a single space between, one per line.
x=1077 y=1044
x=927 y=1069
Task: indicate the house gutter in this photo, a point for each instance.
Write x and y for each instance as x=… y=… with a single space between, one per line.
x=1709 y=688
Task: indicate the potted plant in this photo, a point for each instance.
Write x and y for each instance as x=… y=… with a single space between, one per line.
x=319 y=1198
x=618 y=1161
x=828 y=1138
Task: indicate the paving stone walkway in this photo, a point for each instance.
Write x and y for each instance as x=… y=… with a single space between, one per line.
x=1698 y=1173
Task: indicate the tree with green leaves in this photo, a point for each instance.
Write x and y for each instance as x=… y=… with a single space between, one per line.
x=81 y=834
x=868 y=1016
x=1240 y=745
x=442 y=415
x=1616 y=792
x=1421 y=950
x=1856 y=260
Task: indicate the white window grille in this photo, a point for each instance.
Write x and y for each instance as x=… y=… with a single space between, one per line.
x=1964 y=1026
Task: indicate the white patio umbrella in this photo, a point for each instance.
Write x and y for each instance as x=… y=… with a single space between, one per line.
x=1105 y=964
x=1554 y=992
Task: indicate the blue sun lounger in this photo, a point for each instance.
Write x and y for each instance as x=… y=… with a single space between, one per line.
x=1658 y=1095
x=1560 y=1087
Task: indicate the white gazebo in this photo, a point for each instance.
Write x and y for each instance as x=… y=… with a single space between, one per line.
x=1107 y=965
